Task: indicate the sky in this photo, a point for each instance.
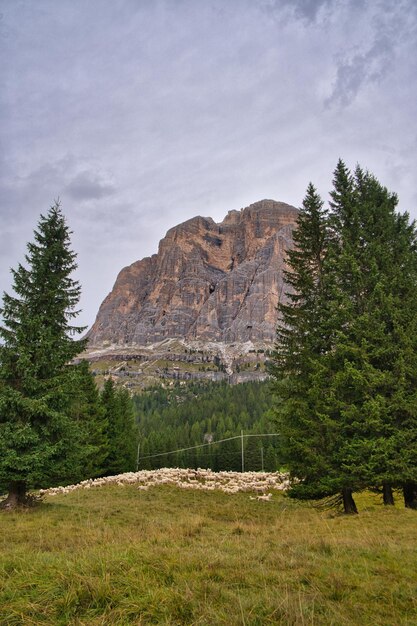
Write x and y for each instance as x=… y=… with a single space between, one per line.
x=140 y=114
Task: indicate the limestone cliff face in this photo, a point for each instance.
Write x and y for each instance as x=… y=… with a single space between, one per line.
x=216 y=282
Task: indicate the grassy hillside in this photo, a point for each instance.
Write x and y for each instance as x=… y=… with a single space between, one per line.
x=118 y=556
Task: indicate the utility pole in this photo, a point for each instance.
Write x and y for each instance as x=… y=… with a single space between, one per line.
x=262 y=458
x=137 y=458
x=243 y=455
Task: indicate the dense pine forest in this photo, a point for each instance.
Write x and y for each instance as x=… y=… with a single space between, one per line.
x=183 y=417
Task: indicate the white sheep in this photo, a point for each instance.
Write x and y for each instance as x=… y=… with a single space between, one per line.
x=201 y=479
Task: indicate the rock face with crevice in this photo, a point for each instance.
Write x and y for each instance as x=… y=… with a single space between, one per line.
x=214 y=282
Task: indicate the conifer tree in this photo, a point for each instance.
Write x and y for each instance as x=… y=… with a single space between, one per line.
x=39 y=441
x=302 y=338
x=121 y=429
x=376 y=270
x=400 y=440
x=253 y=455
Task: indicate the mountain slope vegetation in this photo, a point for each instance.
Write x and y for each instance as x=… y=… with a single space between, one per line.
x=200 y=415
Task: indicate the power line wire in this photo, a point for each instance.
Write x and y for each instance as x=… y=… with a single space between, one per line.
x=210 y=443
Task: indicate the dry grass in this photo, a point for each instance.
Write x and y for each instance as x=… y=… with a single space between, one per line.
x=118 y=556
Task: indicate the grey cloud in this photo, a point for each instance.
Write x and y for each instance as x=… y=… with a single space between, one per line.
x=306 y=10
x=301 y=8
x=361 y=69
x=89 y=186
x=383 y=46
x=77 y=178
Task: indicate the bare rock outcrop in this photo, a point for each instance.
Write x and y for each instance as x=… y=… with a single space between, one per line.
x=215 y=282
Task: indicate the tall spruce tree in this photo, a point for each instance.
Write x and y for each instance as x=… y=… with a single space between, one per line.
x=303 y=339
x=40 y=443
x=349 y=410
x=401 y=453
x=362 y=216
x=375 y=265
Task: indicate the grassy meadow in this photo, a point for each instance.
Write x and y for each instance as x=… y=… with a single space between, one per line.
x=119 y=556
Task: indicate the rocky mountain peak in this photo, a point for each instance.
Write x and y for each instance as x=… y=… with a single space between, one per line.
x=216 y=282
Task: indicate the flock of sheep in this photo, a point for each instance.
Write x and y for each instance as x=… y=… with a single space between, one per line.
x=204 y=479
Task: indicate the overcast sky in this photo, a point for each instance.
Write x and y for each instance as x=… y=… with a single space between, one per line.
x=140 y=114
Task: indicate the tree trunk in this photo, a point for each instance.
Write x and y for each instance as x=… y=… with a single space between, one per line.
x=410 y=495
x=349 y=505
x=387 y=494
x=16 y=496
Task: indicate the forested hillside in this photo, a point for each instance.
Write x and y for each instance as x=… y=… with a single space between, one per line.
x=182 y=417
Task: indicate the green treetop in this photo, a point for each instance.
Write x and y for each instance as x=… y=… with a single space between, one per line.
x=39 y=442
